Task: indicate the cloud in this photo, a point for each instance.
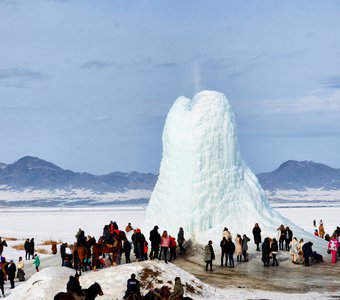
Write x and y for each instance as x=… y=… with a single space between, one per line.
x=332 y=82
x=101 y=64
x=319 y=101
x=167 y=65
x=17 y=77
x=97 y=64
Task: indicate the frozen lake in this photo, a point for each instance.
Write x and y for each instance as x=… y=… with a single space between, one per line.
x=62 y=224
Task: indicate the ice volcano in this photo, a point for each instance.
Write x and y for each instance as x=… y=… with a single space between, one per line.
x=204 y=185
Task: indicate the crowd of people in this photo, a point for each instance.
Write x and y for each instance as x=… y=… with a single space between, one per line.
x=9 y=271
x=163 y=246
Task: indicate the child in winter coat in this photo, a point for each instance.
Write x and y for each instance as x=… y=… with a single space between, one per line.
x=36 y=262
x=333 y=246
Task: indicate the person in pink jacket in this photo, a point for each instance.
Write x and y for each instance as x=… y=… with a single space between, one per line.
x=333 y=246
x=165 y=243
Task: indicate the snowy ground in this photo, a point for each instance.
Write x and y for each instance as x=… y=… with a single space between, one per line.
x=62 y=224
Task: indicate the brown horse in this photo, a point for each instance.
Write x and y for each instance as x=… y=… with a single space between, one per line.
x=98 y=249
x=120 y=237
x=79 y=254
x=113 y=249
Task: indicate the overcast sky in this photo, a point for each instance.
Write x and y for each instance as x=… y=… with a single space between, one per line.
x=87 y=84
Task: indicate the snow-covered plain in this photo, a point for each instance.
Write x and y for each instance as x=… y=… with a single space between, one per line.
x=68 y=197
x=62 y=224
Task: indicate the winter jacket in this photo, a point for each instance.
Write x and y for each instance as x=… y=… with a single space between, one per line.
x=32 y=246
x=172 y=243
x=178 y=290
x=265 y=251
x=180 y=236
x=127 y=247
x=37 y=261
x=257 y=235
x=230 y=247
x=20 y=264
x=155 y=238
x=73 y=286
x=223 y=245
x=133 y=286
x=245 y=241
x=62 y=250
x=27 y=246
x=275 y=247
x=307 y=249
x=165 y=242
x=238 y=248
x=289 y=235
x=333 y=244
x=11 y=271
x=294 y=245
x=209 y=253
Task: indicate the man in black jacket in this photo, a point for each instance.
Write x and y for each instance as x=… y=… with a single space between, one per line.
x=289 y=237
x=11 y=273
x=133 y=287
x=63 y=253
x=155 y=239
x=27 y=249
x=73 y=285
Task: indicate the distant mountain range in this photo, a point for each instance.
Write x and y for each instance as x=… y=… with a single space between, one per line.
x=302 y=183
x=31 y=181
x=301 y=175
x=31 y=178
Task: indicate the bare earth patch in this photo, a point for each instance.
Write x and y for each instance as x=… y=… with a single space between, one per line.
x=18 y=247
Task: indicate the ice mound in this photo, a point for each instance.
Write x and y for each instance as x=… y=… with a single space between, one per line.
x=203 y=184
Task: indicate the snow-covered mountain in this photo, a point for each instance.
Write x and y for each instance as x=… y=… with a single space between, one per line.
x=33 y=181
x=301 y=175
x=302 y=181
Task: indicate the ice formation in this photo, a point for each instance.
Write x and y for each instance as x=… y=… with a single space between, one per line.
x=204 y=185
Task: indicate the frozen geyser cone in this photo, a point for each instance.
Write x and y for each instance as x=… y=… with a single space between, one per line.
x=204 y=185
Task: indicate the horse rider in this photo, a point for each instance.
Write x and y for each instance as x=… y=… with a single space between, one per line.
x=133 y=287
x=80 y=236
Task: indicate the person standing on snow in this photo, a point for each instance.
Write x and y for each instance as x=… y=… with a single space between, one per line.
x=209 y=255
x=155 y=239
x=180 y=240
x=245 y=241
x=333 y=246
x=11 y=273
x=238 y=249
x=165 y=243
x=274 y=249
x=36 y=262
x=27 y=249
x=257 y=236
x=20 y=273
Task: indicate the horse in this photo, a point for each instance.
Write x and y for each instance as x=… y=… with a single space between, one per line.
x=114 y=249
x=98 y=249
x=158 y=294
x=120 y=237
x=90 y=294
x=79 y=254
